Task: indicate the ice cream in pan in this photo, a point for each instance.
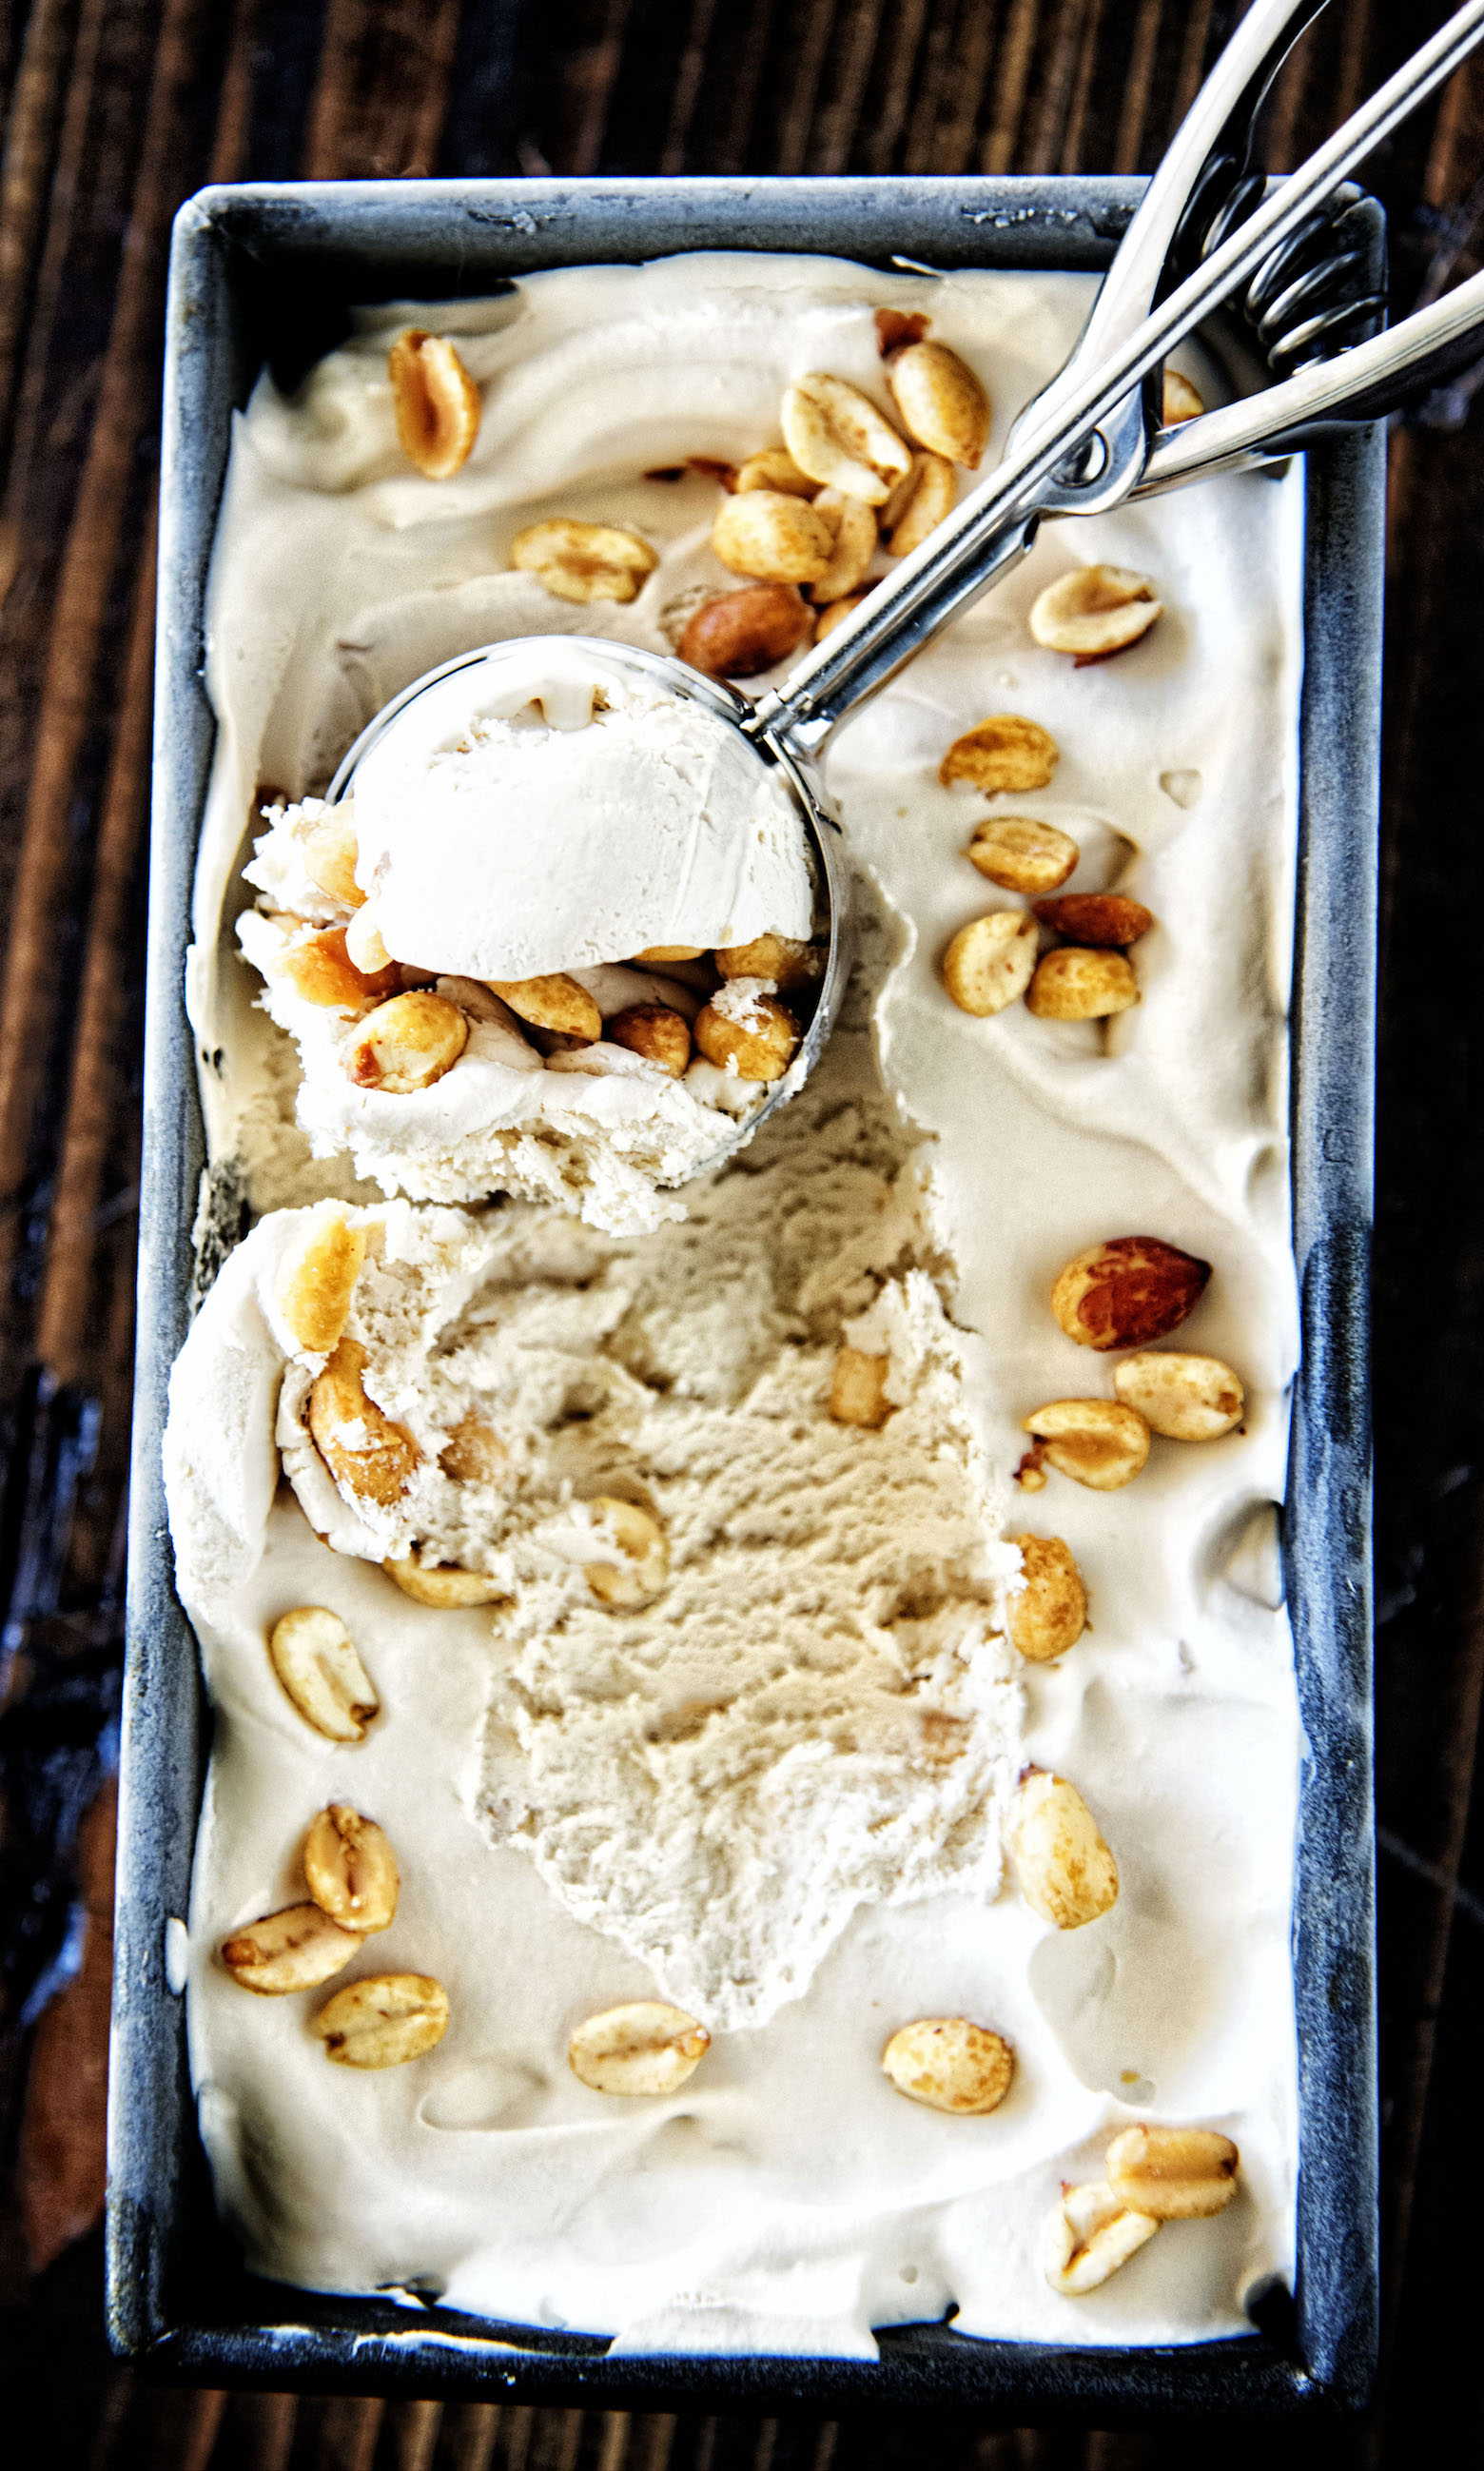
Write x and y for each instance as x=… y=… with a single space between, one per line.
x=763 y=1735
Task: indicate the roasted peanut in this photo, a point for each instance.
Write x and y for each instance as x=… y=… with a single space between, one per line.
x=1067 y=1873
x=554 y=1001
x=1102 y=918
x=950 y=2064
x=835 y=615
x=990 y=961
x=1074 y=984
x=941 y=401
x=1088 y=2236
x=836 y=435
x=1004 y=752
x=407 y=1043
x=1048 y=1612
x=1178 y=2175
x=314 y=1657
x=773 y=468
x=1182 y=401
x=853 y=525
x=773 y=536
x=780 y=958
x=1021 y=854
x=383 y=2020
x=437 y=403
x=583 y=562
x=1098 y=1442
x=917 y=508
x=1095 y=610
x=442 y=1583
x=739 y=633
x=1127 y=1292
x=291 y=1950
x=639 y=1577
x=858 y=1389
x=367 y=950
x=1186 y=1398
x=474 y=1453
x=320 y=972
x=647 y=2047
x=655 y=955
x=316 y=1278
x=654 y=1031
x=351 y=1871
x=749 y=1030
x=328 y=850
x=366 y=1453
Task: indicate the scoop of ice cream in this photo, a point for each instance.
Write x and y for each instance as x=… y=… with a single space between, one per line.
x=549 y=808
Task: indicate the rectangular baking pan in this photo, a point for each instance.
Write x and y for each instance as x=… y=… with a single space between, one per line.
x=268 y=274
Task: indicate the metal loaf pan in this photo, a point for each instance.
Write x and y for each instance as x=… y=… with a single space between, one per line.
x=267 y=275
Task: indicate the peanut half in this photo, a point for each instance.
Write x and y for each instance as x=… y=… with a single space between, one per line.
x=1127 y=1292
x=773 y=468
x=858 y=1389
x=1021 y=854
x=406 y=1045
x=1067 y=1873
x=368 y=1455
x=1095 y=610
x=1073 y=984
x=351 y=1871
x=759 y=1044
x=941 y=401
x=474 y=1453
x=1102 y=918
x=739 y=633
x=920 y=503
x=383 y=2020
x=1185 y=1397
x=990 y=961
x=1088 y=2235
x=583 y=562
x=836 y=435
x=638 y=1578
x=321 y=971
x=554 y=1001
x=314 y=1657
x=328 y=850
x=782 y=959
x=291 y=1950
x=316 y=1278
x=835 y=615
x=436 y=401
x=647 y=2047
x=1181 y=400
x=777 y=538
x=1004 y=752
x=952 y=2064
x=442 y=1585
x=1049 y=1614
x=1178 y=2175
x=1098 y=1442
x=657 y=1032
x=853 y=524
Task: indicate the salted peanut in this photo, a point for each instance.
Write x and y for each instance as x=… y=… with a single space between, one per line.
x=638 y=1578
x=773 y=536
x=407 y=1043
x=383 y=2020
x=1185 y=1397
x=1067 y=1873
x=316 y=1279
x=583 y=562
x=941 y=401
x=949 y=2064
x=758 y=1047
x=328 y=850
x=364 y=1451
x=917 y=508
x=1049 y=1614
x=314 y=1657
x=474 y=1453
x=1088 y=2235
x=1101 y=918
x=1095 y=610
x=1021 y=854
x=836 y=435
x=655 y=1032
x=365 y=948
x=1098 y=1442
x=442 y=1585
x=351 y=1871
x=1178 y=2175
x=656 y=954
x=647 y=2047
x=289 y=1950
x=1077 y=984
x=437 y=403
x=739 y=633
x=1127 y=1292
x=1004 y=752
x=989 y=962
x=835 y=615
x=782 y=958
x=320 y=972
x=853 y=524
x=1181 y=400
x=774 y=468
x=858 y=1389
x=554 y=1001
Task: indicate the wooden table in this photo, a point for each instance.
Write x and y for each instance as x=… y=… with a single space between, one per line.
x=119 y=109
